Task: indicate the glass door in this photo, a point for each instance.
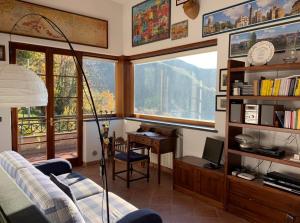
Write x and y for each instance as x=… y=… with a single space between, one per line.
x=40 y=133
x=65 y=101
x=32 y=121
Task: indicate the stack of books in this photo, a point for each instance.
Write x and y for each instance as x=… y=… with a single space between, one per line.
x=289 y=86
x=289 y=119
x=247 y=89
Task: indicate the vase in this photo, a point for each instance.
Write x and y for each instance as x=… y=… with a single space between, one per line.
x=291 y=50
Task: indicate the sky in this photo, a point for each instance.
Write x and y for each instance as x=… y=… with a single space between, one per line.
x=232 y=14
x=203 y=60
x=265 y=33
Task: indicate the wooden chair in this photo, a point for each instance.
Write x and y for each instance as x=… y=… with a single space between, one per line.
x=125 y=153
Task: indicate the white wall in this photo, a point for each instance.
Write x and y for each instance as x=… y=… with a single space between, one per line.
x=101 y=9
x=91 y=142
x=193 y=140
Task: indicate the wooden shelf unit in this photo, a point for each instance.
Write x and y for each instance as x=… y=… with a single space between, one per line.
x=240 y=194
x=267 y=98
x=263 y=127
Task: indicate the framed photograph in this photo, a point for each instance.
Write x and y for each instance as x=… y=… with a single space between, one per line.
x=180 y=30
x=223 y=80
x=221 y=102
x=2 y=53
x=247 y=14
x=151 y=21
x=240 y=43
x=80 y=29
x=180 y=2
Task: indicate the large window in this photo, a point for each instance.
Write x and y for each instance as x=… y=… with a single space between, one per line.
x=181 y=87
x=101 y=76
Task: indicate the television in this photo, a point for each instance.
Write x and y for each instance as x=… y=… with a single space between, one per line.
x=213 y=151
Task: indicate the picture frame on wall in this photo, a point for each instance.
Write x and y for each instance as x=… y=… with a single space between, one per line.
x=248 y=14
x=180 y=2
x=80 y=29
x=223 y=80
x=180 y=30
x=2 y=53
x=151 y=21
x=221 y=102
x=241 y=42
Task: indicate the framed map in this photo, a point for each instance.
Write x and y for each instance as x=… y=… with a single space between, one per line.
x=151 y=21
x=78 y=28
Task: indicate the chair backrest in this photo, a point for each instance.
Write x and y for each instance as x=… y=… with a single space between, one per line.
x=119 y=144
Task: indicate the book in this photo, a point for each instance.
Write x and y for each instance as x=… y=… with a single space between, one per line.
x=280 y=117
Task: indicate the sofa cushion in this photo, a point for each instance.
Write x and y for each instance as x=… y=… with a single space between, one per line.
x=64 y=187
x=12 y=162
x=81 y=186
x=56 y=205
x=91 y=208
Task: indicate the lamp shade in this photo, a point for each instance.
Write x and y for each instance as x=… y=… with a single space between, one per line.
x=20 y=87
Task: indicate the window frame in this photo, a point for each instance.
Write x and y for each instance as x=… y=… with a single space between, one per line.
x=169 y=52
x=108 y=58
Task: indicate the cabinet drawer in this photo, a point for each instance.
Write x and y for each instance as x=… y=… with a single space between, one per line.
x=255 y=211
x=143 y=140
x=266 y=196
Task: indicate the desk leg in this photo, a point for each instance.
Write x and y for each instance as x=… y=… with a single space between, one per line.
x=158 y=167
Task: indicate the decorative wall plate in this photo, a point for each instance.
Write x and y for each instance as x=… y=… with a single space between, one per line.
x=261 y=53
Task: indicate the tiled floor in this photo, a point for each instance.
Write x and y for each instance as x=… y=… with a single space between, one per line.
x=173 y=206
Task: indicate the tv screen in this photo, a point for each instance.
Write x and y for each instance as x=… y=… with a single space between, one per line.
x=213 y=150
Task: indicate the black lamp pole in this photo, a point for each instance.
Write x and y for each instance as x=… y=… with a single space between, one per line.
x=80 y=70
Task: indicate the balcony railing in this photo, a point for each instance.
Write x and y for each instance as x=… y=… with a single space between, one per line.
x=37 y=126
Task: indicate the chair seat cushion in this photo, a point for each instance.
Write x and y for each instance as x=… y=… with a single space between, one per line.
x=133 y=156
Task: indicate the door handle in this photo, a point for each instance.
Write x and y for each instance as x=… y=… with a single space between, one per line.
x=51 y=122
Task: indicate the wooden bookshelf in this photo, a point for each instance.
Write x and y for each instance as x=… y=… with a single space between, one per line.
x=262 y=127
x=267 y=98
x=271 y=67
x=258 y=200
x=285 y=160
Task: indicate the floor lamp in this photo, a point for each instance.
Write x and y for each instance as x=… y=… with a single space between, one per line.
x=20 y=87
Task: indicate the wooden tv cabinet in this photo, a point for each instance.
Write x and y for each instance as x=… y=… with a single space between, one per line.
x=191 y=177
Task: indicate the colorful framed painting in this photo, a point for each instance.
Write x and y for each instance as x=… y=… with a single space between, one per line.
x=180 y=2
x=223 y=80
x=2 y=53
x=180 y=30
x=221 y=102
x=151 y=21
x=247 y=14
x=78 y=28
x=240 y=43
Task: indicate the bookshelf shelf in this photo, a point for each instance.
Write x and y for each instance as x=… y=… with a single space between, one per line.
x=262 y=127
x=254 y=194
x=270 y=98
x=285 y=160
x=272 y=67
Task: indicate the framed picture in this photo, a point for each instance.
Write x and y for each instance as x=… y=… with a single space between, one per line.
x=180 y=2
x=180 y=30
x=221 y=102
x=2 y=53
x=240 y=43
x=247 y=14
x=79 y=29
x=151 y=21
x=223 y=80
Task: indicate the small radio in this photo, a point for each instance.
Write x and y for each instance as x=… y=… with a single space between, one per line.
x=252 y=113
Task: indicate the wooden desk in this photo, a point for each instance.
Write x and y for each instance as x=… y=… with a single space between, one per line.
x=158 y=144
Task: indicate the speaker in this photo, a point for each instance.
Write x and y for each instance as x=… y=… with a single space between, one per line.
x=268 y=115
x=236 y=113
